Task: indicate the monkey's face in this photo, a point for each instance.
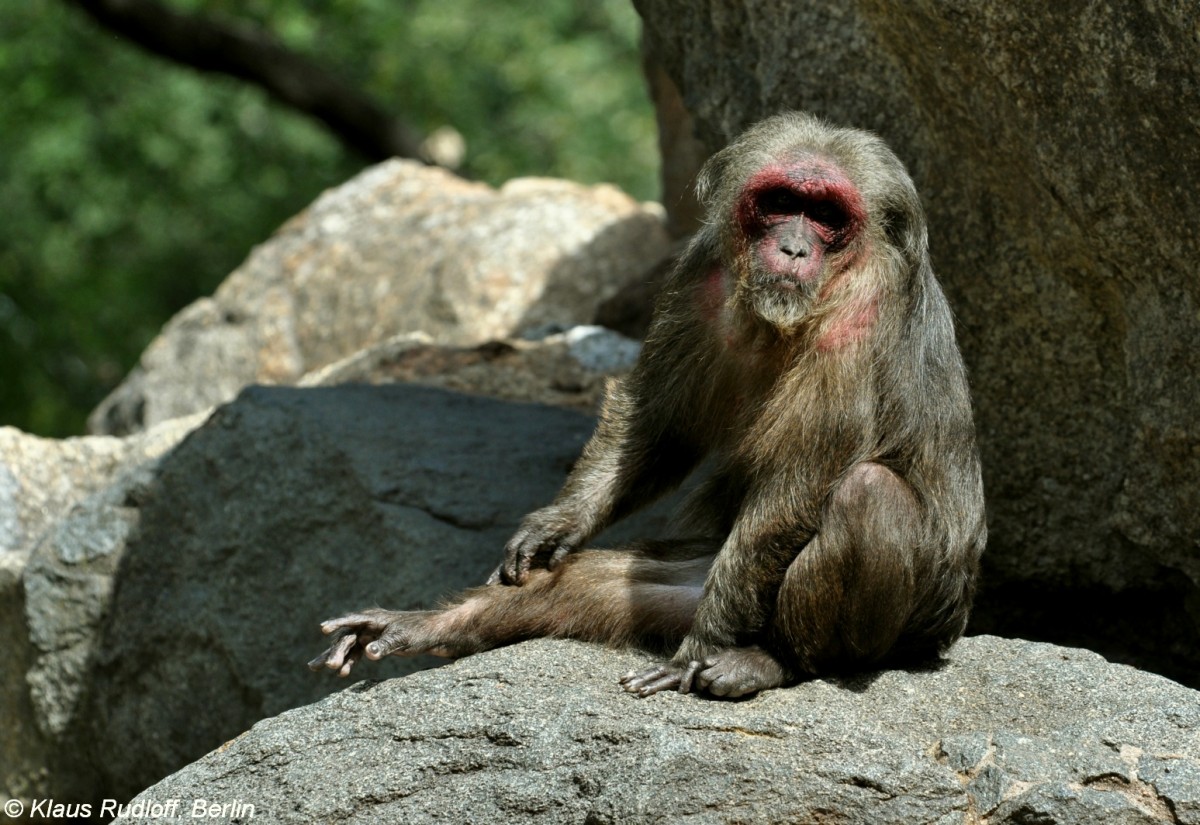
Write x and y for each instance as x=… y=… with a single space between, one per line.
x=797 y=224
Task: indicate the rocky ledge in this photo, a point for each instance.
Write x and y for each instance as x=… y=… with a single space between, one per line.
x=1001 y=731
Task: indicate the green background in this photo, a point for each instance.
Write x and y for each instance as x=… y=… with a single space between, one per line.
x=131 y=185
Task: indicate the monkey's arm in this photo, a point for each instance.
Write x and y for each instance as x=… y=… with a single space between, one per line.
x=648 y=439
x=745 y=577
x=721 y=653
x=641 y=450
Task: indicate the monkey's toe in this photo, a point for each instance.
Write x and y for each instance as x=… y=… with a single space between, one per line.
x=665 y=677
x=650 y=682
x=740 y=672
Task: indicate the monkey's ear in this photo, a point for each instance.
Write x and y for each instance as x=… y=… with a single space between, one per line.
x=711 y=174
x=904 y=224
x=897 y=224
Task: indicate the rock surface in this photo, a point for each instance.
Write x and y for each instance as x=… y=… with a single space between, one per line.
x=173 y=609
x=1002 y=732
x=568 y=369
x=400 y=248
x=44 y=484
x=1057 y=152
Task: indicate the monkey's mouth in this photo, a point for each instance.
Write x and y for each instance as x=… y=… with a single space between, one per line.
x=787 y=269
x=779 y=282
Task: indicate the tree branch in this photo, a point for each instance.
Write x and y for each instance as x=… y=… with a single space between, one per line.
x=254 y=55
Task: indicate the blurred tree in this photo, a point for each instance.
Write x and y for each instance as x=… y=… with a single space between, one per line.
x=252 y=53
x=132 y=185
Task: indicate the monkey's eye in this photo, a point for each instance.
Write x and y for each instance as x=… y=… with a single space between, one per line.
x=827 y=213
x=783 y=202
x=780 y=202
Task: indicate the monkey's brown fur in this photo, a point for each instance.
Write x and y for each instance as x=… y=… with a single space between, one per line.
x=802 y=343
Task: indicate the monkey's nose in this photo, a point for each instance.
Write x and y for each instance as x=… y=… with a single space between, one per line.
x=794 y=250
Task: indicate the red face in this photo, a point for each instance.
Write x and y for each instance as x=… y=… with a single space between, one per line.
x=794 y=217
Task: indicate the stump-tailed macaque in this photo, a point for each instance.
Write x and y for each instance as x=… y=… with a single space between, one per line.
x=803 y=346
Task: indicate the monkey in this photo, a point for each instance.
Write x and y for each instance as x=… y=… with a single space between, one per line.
x=803 y=351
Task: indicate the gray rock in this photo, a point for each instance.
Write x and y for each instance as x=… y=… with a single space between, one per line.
x=567 y=369
x=401 y=248
x=175 y=608
x=540 y=732
x=41 y=478
x=601 y=350
x=1178 y=781
x=1057 y=154
x=67 y=492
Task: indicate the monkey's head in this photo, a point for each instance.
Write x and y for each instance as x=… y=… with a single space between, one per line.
x=795 y=203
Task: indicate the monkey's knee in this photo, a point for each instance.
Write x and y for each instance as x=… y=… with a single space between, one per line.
x=870 y=492
x=849 y=597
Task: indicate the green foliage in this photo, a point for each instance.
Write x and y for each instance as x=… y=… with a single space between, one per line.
x=131 y=186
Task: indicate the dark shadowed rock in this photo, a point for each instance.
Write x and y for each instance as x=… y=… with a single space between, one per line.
x=400 y=248
x=177 y=607
x=1002 y=732
x=1057 y=152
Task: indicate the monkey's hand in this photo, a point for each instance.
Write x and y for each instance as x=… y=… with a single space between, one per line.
x=551 y=533
x=733 y=672
x=374 y=632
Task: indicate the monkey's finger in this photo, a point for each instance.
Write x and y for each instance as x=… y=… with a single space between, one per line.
x=496 y=576
x=322 y=661
x=688 y=676
x=508 y=570
x=513 y=551
x=350 y=620
x=353 y=658
x=393 y=640
x=560 y=553
x=335 y=657
x=520 y=569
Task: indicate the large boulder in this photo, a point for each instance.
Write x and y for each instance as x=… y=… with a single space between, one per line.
x=43 y=482
x=400 y=248
x=1001 y=732
x=1057 y=154
x=173 y=608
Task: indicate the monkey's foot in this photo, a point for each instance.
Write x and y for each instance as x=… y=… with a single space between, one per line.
x=667 y=677
x=740 y=671
x=731 y=673
x=376 y=633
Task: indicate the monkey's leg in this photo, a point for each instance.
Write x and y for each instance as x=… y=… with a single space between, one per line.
x=646 y=595
x=845 y=599
x=850 y=594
